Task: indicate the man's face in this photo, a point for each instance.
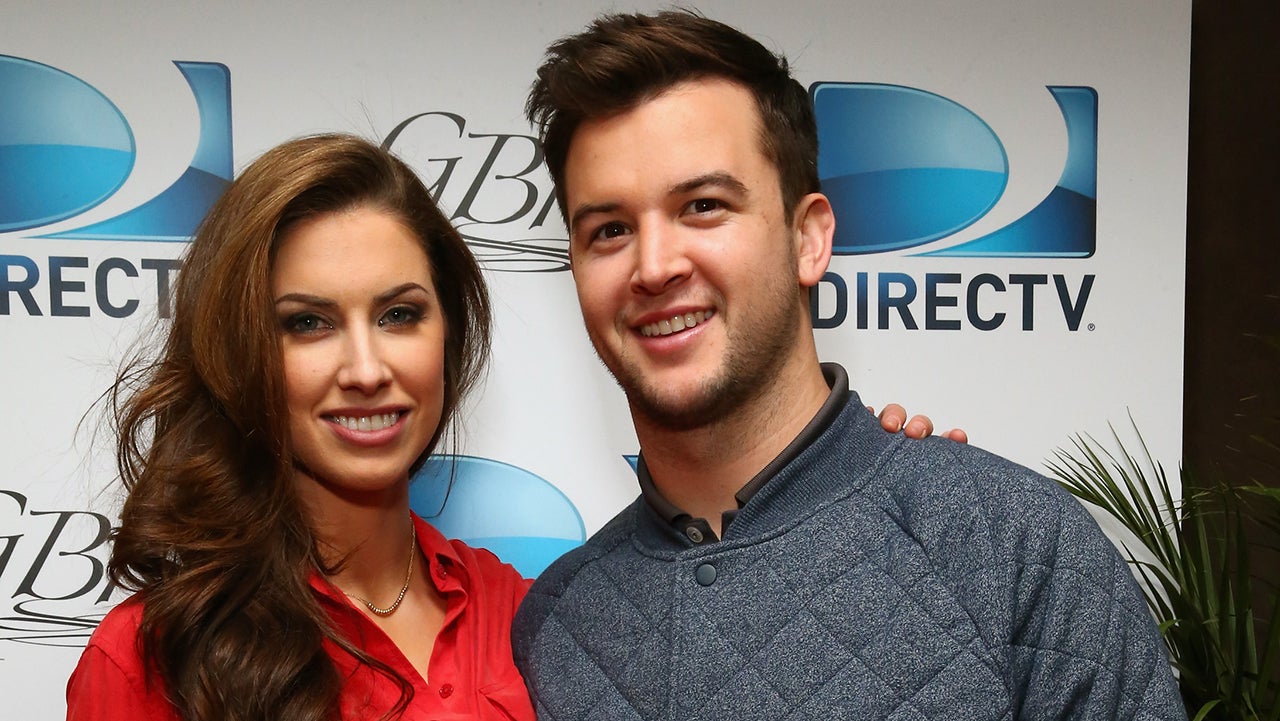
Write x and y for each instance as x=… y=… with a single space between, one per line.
x=683 y=258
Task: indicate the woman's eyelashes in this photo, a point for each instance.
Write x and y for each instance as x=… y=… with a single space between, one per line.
x=401 y=315
x=310 y=323
x=306 y=323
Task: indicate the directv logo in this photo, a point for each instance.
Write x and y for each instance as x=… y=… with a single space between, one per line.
x=65 y=148
x=907 y=170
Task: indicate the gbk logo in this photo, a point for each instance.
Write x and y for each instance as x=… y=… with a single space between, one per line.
x=908 y=169
x=65 y=148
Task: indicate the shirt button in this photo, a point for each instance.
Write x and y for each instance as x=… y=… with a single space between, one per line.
x=706 y=574
x=694 y=534
x=446 y=690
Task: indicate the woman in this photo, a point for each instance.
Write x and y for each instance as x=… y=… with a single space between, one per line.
x=328 y=320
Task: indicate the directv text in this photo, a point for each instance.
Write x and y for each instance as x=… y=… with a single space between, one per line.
x=946 y=301
x=77 y=286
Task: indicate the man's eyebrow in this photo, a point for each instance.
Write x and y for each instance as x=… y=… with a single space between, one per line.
x=717 y=179
x=583 y=211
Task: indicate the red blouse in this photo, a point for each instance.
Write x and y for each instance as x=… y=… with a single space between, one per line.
x=472 y=674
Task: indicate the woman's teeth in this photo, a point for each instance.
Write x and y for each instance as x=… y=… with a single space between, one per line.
x=367 y=423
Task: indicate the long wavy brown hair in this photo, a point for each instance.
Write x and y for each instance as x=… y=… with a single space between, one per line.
x=212 y=533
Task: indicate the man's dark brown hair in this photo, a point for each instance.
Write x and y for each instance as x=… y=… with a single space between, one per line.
x=621 y=61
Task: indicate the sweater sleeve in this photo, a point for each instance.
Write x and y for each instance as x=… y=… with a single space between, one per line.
x=1056 y=604
x=1083 y=643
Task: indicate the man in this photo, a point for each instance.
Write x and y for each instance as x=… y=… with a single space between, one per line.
x=786 y=559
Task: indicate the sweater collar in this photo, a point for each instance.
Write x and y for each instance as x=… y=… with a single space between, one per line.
x=698 y=530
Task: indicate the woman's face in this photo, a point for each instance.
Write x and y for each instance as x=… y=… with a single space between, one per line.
x=362 y=337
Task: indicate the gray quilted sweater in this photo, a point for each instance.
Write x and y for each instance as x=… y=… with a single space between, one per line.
x=872 y=578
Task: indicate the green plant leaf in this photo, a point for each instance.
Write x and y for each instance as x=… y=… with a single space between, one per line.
x=1193 y=564
x=1205 y=709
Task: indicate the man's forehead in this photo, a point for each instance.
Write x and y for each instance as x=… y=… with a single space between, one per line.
x=675 y=133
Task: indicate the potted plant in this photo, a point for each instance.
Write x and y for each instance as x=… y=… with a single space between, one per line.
x=1216 y=612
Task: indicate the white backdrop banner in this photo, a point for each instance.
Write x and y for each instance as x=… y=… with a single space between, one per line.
x=1009 y=182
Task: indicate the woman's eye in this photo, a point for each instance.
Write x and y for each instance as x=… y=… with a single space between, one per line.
x=400 y=315
x=305 y=323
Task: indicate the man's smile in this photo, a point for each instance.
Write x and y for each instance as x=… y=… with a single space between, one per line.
x=675 y=324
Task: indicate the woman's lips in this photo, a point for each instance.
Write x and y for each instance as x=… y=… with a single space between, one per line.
x=367 y=429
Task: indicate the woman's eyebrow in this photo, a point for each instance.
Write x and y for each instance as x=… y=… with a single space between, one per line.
x=322 y=302
x=399 y=290
x=306 y=299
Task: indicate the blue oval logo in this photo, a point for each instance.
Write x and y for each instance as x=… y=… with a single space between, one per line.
x=904 y=166
x=518 y=515
x=64 y=147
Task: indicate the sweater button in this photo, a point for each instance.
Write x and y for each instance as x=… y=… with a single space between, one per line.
x=706 y=574
x=694 y=534
x=446 y=690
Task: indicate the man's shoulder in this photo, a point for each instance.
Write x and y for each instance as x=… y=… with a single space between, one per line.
x=934 y=470
x=943 y=491
x=924 y=472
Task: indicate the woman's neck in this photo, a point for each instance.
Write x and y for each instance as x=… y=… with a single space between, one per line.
x=365 y=536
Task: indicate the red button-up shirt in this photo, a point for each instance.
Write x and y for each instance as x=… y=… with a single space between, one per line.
x=471 y=675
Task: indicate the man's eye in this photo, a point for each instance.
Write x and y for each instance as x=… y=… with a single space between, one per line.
x=705 y=205
x=609 y=230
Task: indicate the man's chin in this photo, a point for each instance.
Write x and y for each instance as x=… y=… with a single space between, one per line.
x=681 y=411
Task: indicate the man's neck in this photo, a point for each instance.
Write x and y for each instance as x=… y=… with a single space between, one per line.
x=700 y=470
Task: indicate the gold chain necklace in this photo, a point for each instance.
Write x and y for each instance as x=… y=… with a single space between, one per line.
x=408 y=574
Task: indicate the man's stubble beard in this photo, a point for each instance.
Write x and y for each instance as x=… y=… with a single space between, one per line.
x=755 y=354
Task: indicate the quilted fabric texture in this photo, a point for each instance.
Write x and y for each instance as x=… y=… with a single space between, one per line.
x=872 y=578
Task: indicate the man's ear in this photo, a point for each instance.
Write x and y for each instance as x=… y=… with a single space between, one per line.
x=814 y=227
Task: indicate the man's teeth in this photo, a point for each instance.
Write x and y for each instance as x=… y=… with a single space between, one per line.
x=367 y=423
x=674 y=324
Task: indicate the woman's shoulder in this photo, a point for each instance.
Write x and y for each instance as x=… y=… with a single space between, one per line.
x=117 y=632
x=110 y=680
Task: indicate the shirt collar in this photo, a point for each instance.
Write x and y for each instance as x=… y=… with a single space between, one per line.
x=698 y=530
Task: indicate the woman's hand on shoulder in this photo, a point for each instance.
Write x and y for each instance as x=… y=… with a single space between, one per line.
x=893 y=418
